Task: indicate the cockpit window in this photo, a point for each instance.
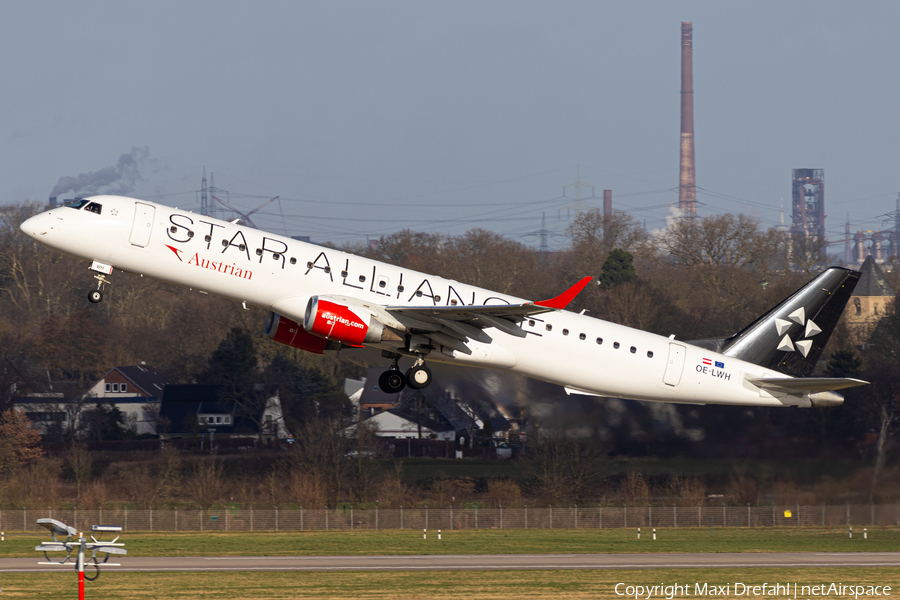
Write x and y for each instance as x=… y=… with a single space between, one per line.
x=77 y=204
x=94 y=207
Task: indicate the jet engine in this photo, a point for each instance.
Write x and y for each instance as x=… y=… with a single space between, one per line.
x=351 y=325
x=290 y=333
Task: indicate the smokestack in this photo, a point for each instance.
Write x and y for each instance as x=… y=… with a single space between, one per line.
x=687 y=193
x=607 y=203
x=52 y=202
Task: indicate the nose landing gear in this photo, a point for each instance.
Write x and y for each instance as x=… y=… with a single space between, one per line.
x=95 y=296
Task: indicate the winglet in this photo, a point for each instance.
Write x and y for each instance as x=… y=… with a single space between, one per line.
x=566 y=297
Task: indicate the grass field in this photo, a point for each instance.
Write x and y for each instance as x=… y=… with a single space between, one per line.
x=492 y=541
x=435 y=585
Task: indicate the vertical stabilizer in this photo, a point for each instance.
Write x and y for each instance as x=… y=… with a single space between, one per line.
x=790 y=337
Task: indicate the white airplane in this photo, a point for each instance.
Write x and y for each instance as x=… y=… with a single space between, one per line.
x=321 y=299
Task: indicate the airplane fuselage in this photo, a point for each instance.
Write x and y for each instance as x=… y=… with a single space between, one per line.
x=277 y=273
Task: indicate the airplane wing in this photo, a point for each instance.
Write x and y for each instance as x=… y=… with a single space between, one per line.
x=453 y=326
x=793 y=385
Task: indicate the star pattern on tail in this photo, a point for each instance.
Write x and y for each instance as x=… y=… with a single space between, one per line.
x=804 y=345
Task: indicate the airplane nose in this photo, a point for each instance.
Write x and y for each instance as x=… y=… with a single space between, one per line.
x=33 y=226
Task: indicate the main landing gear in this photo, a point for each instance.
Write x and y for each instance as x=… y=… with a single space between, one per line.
x=95 y=296
x=393 y=381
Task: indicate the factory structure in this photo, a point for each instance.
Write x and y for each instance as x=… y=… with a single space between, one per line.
x=807 y=187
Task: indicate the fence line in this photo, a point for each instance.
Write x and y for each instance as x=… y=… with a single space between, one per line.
x=597 y=517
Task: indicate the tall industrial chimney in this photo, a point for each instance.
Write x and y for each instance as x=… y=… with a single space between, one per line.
x=687 y=191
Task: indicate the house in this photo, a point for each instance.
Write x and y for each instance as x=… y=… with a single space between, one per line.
x=870 y=298
x=441 y=414
x=372 y=400
x=135 y=391
x=193 y=409
x=392 y=423
x=49 y=412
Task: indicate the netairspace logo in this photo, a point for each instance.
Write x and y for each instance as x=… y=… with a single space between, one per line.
x=786 y=590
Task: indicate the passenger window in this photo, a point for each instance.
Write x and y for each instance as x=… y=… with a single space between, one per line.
x=293 y=261
x=362 y=278
x=649 y=353
x=326 y=269
x=548 y=327
x=382 y=283
x=599 y=341
x=207 y=238
x=343 y=273
x=633 y=349
x=437 y=298
x=581 y=336
x=419 y=293
x=453 y=303
x=616 y=345
x=400 y=288
x=565 y=332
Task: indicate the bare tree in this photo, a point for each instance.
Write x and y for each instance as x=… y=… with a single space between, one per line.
x=594 y=235
x=567 y=469
x=726 y=241
x=807 y=252
x=320 y=450
x=207 y=482
x=19 y=443
x=81 y=461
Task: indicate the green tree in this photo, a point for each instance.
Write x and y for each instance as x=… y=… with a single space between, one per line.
x=618 y=268
x=844 y=363
x=234 y=362
x=105 y=422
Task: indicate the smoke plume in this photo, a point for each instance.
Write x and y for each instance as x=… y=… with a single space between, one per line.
x=119 y=179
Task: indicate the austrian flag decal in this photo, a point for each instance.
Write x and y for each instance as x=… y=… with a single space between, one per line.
x=713 y=368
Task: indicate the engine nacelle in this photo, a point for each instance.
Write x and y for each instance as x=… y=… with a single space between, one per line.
x=290 y=333
x=352 y=325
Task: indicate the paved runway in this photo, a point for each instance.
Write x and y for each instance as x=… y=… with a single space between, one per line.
x=482 y=562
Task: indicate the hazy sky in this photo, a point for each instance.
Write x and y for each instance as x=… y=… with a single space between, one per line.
x=368 y=117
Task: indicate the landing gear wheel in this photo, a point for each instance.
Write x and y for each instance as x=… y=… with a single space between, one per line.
x=391 y=381
x=418 y=376
x=95 y=296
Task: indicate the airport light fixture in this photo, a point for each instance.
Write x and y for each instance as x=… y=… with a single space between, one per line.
x=75 y=541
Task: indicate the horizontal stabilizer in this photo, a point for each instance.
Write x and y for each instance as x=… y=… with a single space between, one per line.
x=796 y=385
